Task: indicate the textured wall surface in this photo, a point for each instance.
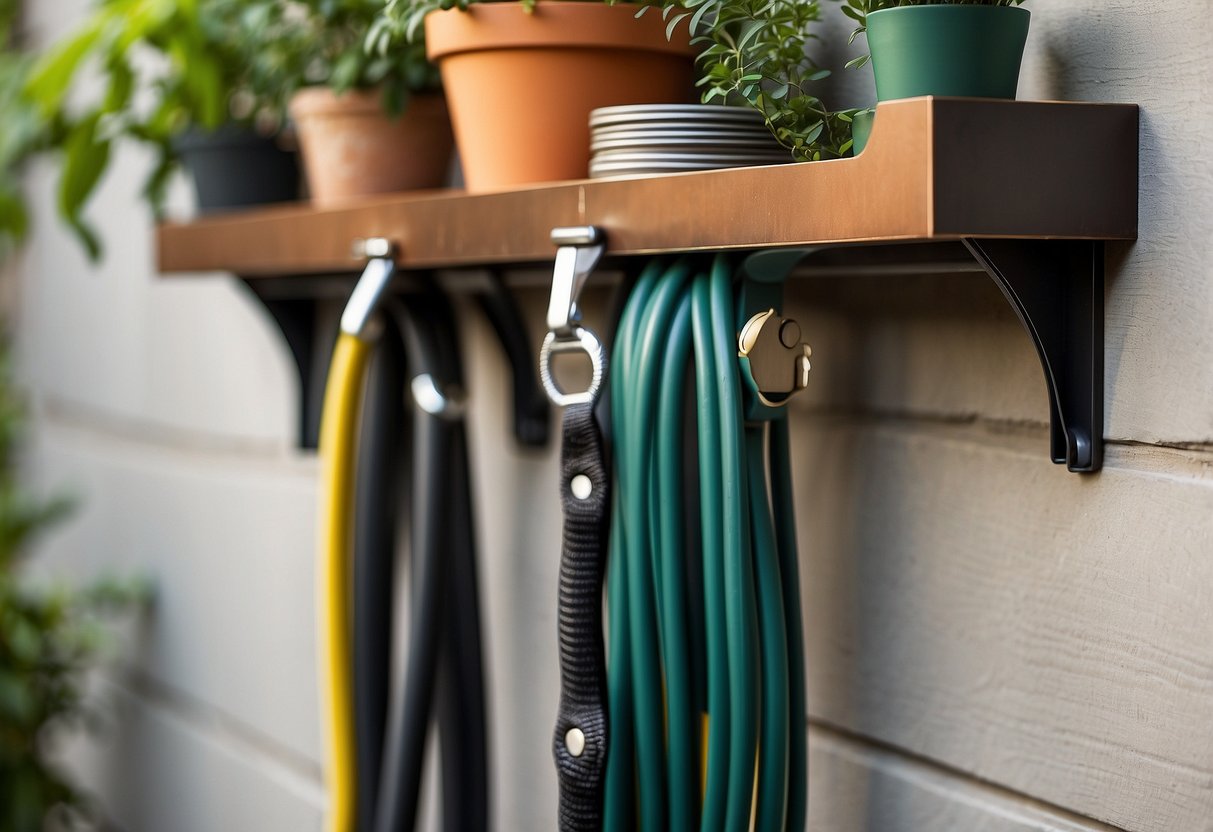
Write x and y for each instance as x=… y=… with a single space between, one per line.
x=995 y=645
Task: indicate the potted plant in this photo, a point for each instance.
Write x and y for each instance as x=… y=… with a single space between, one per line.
x=522 y=77
x=201 y=104
x=942 y=47
x=368 y=122
x=754 y=53
x=205 y=104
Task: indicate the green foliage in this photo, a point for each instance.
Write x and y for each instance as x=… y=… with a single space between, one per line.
x=48 y=640
x=167 y=66
x=327 y=38
x=398 y=26
x=754 y=53
x=22 y=133
x=858 y=10
x=194 y=66
x=23 y=130
x=10 y=14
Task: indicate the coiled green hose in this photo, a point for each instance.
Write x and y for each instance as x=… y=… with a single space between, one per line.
x=670 y=767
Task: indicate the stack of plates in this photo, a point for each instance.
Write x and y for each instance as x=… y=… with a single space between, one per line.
x=668 y=138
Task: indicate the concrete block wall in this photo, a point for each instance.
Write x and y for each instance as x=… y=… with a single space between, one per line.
x=995 y=645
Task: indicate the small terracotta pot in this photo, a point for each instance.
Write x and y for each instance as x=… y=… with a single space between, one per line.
x=352 y=148
x=522 y=84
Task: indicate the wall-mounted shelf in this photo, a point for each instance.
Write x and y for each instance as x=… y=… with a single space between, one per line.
x=1030 y=189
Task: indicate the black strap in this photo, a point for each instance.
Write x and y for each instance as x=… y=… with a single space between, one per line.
x=582 y=657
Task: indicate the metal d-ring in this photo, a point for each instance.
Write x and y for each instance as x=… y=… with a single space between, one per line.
x=585 y=341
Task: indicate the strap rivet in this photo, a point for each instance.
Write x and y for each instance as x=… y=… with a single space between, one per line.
x=574 y=741
x=582 y=487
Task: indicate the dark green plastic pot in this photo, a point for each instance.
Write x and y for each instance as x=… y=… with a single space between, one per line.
x=968 y=51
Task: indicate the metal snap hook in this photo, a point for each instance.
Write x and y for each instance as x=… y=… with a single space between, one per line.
x=578 y=250
x=583 y=341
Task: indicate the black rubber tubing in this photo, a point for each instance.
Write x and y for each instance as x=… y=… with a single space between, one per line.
x=445 y=643
x=404 y=751
x=462 y=721
x=376 y=521
x=460 y=706
x=532 y=413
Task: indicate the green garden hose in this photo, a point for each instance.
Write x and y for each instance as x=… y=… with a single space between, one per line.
x=669 y=766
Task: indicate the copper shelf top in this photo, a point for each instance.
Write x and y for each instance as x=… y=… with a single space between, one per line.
x=935 y=169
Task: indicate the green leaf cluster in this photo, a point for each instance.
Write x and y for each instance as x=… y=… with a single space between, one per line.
x=858 y=11
x=755 y=53
x=110 y=54
x=399 y=25
x=164 y=67
x=49 y=638
x=330 y=37
x=22 y=129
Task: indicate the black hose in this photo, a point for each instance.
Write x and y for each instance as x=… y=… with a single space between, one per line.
x=404 y=751
x=379 y=466
x=462 y=722
x=532 y=412
x=460 y=705
x=444 y=675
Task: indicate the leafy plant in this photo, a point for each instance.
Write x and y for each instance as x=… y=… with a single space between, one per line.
x=24 y=131
x=205 y=63
x=754 y=53
x=858 y=10
x=399 y=23
x=48 y=640
x=191 y=87
x=329 y=38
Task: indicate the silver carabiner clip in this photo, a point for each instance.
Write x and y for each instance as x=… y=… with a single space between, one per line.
x=578 y=251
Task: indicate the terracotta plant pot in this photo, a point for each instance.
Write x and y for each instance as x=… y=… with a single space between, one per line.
x=522 y=85
x=352 y=148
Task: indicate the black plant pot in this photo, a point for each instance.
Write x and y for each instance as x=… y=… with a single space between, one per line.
x=234 y=167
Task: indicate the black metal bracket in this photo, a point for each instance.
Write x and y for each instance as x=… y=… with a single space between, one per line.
x=298 y=318
x=1056 y=288
x=299 y=312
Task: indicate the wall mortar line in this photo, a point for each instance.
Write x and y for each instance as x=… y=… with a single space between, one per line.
x=864 y=745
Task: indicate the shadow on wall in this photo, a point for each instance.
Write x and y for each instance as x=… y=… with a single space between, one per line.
x=845 y=88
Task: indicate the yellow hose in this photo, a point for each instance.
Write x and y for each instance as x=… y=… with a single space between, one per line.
x=338 y=461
